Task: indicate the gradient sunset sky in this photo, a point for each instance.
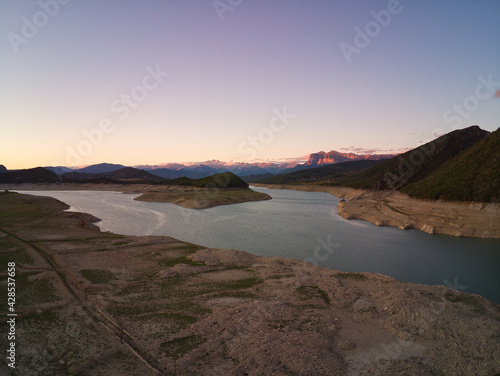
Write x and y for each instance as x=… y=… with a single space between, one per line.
x=150 y=81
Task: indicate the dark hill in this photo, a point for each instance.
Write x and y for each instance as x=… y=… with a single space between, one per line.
x=320 y=175
x=101 y=168
x=31 y=175
x=415 y=164
x=473 y=175
x=221 y=180
x=3 y=169
x=125 y=174
x=256 y=177
x=182 y=172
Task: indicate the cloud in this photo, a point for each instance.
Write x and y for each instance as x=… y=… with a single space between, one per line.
x=360 y=150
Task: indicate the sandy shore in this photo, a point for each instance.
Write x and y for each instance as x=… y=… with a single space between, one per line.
x=103 y=304
x=391 y=208
x=187 y=197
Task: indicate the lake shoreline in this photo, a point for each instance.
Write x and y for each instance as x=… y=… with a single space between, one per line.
x=395 y=209
x=186 y=197
x=109 y=294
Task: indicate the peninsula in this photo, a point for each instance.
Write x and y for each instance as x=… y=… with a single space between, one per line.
x=219 y=189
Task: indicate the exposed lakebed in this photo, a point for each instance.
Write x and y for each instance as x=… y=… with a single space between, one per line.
x=304 y=226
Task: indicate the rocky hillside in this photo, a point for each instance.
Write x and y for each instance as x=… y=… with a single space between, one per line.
x=319 y=175
x=473 y=175
x=415 y=164
x=333 y=156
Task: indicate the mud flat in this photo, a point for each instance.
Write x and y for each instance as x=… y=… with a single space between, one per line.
x=391 y=208
x=95 y=303
x=187 y=197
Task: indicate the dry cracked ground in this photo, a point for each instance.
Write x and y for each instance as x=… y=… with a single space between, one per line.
x=93 y=303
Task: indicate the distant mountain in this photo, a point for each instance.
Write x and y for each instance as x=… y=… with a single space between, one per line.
x=415 y=164
x=165 y=173
x=59 y=170
x=207 y=168
x=473 y=175
x=125 y=174
x=319 y=175
x=100 y=168
x=3 y=169
x=31 y=175
x=333 y=156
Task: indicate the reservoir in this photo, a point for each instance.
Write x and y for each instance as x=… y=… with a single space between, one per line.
x=304 y=226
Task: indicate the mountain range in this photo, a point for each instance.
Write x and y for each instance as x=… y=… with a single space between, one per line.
x=322 y=158
x=243 y=169
x=461 y=165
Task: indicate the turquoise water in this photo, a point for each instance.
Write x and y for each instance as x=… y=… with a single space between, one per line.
x=305 y=226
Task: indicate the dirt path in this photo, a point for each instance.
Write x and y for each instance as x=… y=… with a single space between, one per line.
x=88 y=306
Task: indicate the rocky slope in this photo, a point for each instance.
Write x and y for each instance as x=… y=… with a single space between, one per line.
x=322 y=158
x=102 y=304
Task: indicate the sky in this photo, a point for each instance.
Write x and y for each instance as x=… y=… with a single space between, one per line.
x=154 y=81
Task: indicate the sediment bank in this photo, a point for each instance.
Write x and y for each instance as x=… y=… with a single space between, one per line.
x=94 y=302
x=187 y=197
x=392 y=208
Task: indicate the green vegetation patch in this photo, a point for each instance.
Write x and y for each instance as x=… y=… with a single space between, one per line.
x=178 y=347
x=97 y=275
x=32 y=289
x=311 y=292
x=189 y=247
x=470 y=300
x=358 y=276
x=14 y=208
x=11 y=251
x=282 y=276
